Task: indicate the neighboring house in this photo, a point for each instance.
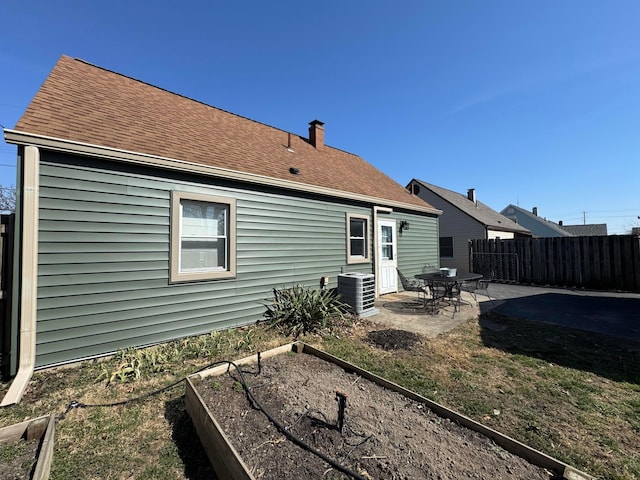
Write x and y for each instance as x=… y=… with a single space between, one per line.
x=463 y=218
x=144 y=216
x=539 y=227
x=589 y=230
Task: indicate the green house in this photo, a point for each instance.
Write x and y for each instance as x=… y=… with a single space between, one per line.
x=144 y=216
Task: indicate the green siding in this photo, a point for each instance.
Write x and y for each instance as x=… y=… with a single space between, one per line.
x=417 y=246
x=103 y=279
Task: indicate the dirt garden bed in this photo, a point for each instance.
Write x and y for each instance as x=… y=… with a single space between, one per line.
x=385 y=433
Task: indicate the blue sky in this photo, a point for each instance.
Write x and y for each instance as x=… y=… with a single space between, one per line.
x=531 y=103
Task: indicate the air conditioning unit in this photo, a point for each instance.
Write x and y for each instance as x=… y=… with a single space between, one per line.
x=358 y=290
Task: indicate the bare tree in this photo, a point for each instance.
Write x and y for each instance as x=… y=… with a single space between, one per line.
x=7 y=198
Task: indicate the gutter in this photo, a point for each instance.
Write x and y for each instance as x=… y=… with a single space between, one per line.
x=506 y=228
x=29 y=276
x=80 y=148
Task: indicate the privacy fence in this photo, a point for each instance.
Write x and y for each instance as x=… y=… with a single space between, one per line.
x=602 y=263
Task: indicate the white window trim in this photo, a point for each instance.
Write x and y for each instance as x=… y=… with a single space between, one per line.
x=367 y=239
x=213 y=274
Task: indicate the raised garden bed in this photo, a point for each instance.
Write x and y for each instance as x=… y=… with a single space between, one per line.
x=387 y=432
x=26 y=449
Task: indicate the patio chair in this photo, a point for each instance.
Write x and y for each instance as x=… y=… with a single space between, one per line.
x=440 y=296
x=413 y=286
x=481 y=285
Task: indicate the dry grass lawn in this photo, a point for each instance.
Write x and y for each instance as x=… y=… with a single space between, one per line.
x=570 y=394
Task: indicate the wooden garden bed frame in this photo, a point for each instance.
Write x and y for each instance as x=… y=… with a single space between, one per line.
x=42 y=429
x=229 y=465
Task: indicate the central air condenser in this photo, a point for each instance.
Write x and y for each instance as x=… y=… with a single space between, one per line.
x=358 y=290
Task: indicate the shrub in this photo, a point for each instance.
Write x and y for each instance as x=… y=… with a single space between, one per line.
x=299 y=310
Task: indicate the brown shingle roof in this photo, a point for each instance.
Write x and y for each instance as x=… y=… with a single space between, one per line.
x=479 y=211
x=84 y=103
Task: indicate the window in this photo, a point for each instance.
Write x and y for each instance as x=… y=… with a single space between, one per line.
x=446 y=247
x=357 y=238
x=203 y=243
x=386 y=242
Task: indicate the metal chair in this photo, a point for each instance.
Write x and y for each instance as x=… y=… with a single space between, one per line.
x=413 y=286
x=439 y=296
x=481 y=285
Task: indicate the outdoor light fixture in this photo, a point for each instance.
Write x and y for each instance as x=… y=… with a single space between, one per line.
x=294 y=171
x=404 y=225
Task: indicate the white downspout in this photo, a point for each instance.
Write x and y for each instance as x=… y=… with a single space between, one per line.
x=29 y=278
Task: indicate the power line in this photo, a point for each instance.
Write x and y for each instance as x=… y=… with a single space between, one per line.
x=574 y=213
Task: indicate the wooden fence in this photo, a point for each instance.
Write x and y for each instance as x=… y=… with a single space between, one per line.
x=601 y=263
x=6 y=270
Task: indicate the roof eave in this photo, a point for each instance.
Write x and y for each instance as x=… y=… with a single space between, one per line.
x=504 y=228
x=17 y=137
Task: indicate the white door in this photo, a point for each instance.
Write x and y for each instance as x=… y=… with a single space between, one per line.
x=387 y=275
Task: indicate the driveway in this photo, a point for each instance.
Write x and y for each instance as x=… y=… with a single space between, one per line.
x=610 y=313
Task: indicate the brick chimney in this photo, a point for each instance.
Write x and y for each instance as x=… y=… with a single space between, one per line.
x=316 y=134
x=535 y=211
x=471 y=195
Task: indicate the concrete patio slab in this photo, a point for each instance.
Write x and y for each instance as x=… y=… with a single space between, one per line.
x=402 y=311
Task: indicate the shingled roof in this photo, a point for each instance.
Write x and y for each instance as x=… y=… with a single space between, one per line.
x=476 y=210
x=539 y=226
x=82 y=104
x=588 y=230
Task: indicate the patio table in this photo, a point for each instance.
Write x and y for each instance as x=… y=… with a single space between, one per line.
x=443 y=287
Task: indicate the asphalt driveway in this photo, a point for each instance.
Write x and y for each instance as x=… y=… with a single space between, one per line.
x=609 y=313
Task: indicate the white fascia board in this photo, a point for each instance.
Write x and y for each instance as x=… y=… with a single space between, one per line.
x=79 y=148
